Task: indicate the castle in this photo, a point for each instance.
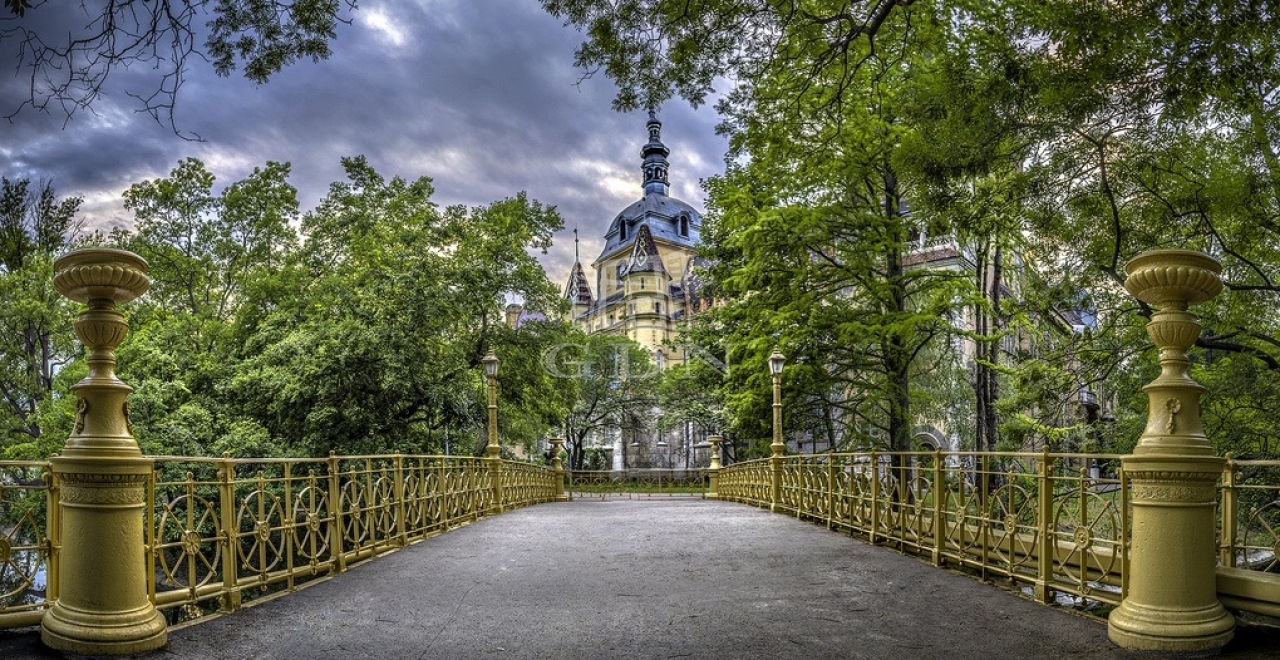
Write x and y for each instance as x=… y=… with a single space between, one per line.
x=645 y=282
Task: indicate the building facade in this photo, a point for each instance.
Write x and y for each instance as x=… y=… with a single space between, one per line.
x=645 y=285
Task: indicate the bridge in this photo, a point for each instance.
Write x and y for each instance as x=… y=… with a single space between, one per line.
x=661 y=577
x=108 y=551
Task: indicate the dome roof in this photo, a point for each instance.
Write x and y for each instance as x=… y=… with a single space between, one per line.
x=668 y=219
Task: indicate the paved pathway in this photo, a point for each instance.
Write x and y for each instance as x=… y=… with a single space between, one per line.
x=679 y=578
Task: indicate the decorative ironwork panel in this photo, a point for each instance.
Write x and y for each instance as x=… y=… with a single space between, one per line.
x=24 y=542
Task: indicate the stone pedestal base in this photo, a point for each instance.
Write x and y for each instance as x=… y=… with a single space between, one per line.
x=1172 y=605
x=102 y=607
x=93 y=633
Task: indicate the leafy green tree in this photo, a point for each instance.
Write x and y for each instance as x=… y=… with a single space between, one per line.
x=36 y=340
x=397 y=301
x=614 y=386
x=216 y=259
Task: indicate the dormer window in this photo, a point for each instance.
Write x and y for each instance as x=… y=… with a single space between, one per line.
x=684 y=226
x=622 y=230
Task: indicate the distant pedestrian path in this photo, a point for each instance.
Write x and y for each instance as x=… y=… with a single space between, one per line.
x=660 y=578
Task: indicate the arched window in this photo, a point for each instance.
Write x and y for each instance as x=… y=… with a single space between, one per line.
x=622 y=230
x=684 y=225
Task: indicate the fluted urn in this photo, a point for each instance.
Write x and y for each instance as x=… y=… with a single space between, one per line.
x=101 y=274
x=1173 y=279
x=101 y=278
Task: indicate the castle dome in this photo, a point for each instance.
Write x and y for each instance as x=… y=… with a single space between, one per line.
x=669 y=219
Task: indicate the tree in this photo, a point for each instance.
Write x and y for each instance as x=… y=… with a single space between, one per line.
x=68 y=59
x=217 y=265
x=36 y=341
x=397 y=301
x=614 y=388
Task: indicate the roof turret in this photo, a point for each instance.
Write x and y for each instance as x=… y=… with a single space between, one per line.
x=654 y=155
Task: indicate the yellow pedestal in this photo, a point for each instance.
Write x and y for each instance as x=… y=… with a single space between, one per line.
x=102 y=583
x=1172 y=602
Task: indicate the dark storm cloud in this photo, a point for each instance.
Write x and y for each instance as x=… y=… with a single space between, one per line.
x=479 y=95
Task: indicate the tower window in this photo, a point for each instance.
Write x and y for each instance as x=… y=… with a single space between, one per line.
x=657 y=308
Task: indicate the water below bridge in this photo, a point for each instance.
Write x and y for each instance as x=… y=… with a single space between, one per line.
x=660 y=578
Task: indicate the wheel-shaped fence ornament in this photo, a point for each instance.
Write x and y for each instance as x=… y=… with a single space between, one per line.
x=1013 y=510
x=262 y=544
x=310 y=523
x=189 y=555
x=355 y=521
x=1261 y=538
x=415 y=504
x=1094 y=542
x=962 y=524
x=384 y=498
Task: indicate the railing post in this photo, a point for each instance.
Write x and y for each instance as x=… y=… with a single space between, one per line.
x=336 y=553
x=402 y=535
x=1172 y=605
x=557 y=466
x=938 y=492
x=831 y=491
x=1230 y=513
x=1045 y=530
x=713 y=468
x=230 y=600
x=875 y=498
x=102 y=607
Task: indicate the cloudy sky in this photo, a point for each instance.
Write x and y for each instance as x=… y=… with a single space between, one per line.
x=479 y=95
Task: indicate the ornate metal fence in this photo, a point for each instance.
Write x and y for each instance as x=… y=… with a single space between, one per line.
x=25 y=517
x=1050 y=521
x=636 y=483
x=1249 y=536
x=222 y=530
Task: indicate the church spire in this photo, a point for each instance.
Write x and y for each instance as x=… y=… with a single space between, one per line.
x=655 y=158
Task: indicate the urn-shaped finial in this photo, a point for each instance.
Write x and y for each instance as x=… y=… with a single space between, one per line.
x=101 y=274
x=1173 y=279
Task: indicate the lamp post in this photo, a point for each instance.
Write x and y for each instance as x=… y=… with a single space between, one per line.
x=776 y=362
x=493 y=450
x=491 y=362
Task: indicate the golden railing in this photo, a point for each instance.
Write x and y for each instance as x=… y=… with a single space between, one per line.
x=25 y=516
x=631 y=483
x=224 y=530
x=1041 y=519
x=1249 y=536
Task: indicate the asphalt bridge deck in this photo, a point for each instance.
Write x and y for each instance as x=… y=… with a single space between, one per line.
x=658 y=578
